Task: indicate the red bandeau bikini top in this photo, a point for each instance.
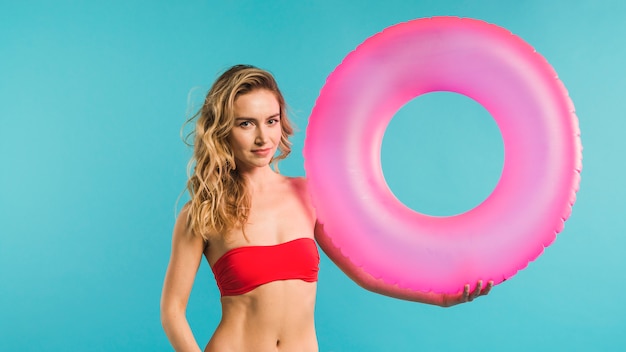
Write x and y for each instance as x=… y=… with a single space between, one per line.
x=243 y=269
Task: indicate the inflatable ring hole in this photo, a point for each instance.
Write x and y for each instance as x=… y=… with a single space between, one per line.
x=442 y=154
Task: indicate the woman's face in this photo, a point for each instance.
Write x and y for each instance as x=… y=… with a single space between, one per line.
x=256 y=133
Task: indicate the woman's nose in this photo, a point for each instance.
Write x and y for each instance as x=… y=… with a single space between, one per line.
x=261 y=136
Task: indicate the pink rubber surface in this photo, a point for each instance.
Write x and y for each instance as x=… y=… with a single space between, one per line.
x=542 y=151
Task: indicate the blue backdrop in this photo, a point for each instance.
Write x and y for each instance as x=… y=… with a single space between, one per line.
x=93 y=95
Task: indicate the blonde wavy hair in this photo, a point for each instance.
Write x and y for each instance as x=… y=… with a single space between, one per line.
x=220 y=199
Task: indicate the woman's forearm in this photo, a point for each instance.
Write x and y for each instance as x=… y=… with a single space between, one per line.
x=179 y=332
x=367 y=281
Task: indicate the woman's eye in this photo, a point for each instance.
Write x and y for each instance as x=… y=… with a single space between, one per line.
x=245 y=124
x=273 y=121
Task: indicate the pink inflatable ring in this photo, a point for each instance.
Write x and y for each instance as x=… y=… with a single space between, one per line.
x=371 y=235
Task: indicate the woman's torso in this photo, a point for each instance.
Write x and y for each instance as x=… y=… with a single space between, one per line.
x=278 y=315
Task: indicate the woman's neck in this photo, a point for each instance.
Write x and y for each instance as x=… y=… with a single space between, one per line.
x=259 y=178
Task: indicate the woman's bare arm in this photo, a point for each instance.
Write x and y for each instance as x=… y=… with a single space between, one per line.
x=181 y=272
x=370 y=283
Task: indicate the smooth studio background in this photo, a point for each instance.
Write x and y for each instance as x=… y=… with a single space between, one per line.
x=92 y=97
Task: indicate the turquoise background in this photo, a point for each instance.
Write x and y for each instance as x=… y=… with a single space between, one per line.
x=92 y=98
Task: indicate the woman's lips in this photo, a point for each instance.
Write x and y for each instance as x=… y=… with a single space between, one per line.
x=262 y=152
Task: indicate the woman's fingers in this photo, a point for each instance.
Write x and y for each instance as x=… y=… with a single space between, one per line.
x=488 y=288
x=465 y=295
x=477 y=289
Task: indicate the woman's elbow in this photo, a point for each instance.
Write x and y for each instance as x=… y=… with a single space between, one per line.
x=170 y=313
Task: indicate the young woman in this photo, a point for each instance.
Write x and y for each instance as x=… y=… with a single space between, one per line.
x=255 y=227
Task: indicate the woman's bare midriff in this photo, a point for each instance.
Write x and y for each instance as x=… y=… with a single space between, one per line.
x=277 y=316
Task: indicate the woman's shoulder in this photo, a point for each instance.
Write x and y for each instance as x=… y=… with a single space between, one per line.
x=183 y=213
x=182 y=227
x=300 y=186
x=299 y=183
x=300 y=189
x=297 y=180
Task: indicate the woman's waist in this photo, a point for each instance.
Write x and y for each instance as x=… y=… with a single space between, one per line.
x=274 y=300
x=277 y=305
x=259 y=339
